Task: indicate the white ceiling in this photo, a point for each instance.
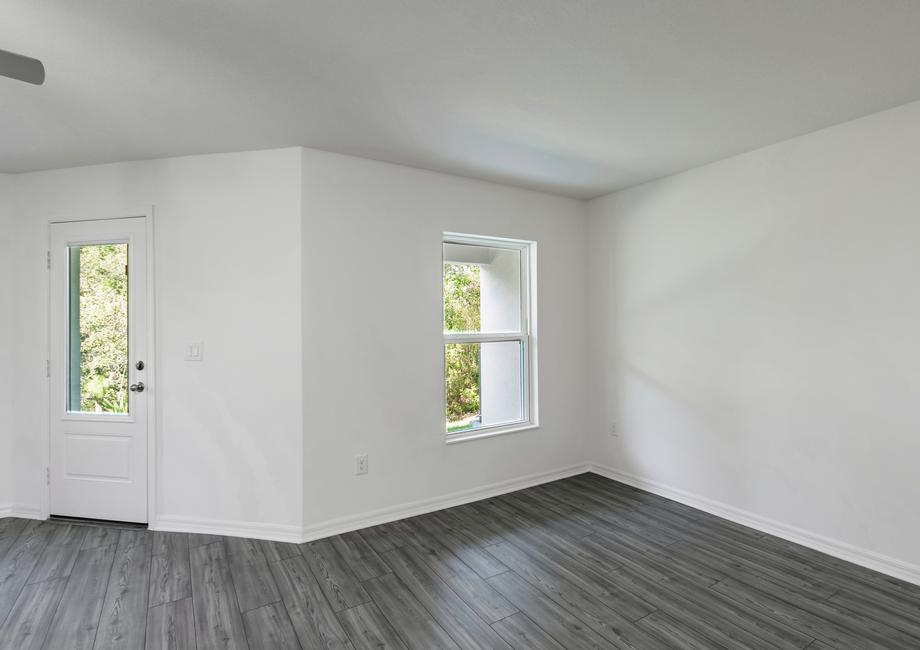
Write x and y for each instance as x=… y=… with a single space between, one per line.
x=570 y=96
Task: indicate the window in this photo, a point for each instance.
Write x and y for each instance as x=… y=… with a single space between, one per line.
x=488 y=335
x=97 y=364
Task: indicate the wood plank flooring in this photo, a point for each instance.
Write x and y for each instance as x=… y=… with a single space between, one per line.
x=583 y=562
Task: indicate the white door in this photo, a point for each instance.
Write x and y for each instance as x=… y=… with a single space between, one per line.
x=99 y=361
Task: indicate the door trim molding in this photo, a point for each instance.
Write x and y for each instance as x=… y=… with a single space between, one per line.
x=153 y=354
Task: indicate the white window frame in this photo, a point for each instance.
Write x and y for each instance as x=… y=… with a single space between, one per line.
x=527 y=335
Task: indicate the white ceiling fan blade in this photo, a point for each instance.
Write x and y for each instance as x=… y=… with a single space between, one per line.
x=23 y=68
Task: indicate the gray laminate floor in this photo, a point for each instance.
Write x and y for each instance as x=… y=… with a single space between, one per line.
x=580 y=563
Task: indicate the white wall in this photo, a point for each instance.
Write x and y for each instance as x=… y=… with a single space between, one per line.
x=754 y=331
x=500 y=292
x=6 y=323
x=228 y=273
x=372 y=336
x=319 y=342
x=751 y=327
x=500 y=363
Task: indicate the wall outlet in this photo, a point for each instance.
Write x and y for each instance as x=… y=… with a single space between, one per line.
x=613 y=429
x=361 y=464
x=194 y=351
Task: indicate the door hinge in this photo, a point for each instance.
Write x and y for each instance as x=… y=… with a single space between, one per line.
x=48 y=259
x=48 y=368
x=47 y=476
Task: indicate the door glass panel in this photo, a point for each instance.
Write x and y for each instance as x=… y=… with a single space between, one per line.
x=97 y=369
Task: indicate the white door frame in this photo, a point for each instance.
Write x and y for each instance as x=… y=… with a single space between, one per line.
x=151 y=369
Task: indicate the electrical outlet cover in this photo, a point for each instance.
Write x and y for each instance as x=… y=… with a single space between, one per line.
x=194 y=351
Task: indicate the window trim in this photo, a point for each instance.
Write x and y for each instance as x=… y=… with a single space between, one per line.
x=527 y=335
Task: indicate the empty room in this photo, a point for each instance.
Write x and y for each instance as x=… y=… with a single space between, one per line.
x=419 y=324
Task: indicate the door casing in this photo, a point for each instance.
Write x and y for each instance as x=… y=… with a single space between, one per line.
x=152 y=360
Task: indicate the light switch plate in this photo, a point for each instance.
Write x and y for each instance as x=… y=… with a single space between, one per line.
x=194 y=351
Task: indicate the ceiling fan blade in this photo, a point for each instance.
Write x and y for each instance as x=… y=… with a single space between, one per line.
x=23 y=68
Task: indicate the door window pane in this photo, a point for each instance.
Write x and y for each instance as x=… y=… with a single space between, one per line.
x=483 y=384
x=97 y=371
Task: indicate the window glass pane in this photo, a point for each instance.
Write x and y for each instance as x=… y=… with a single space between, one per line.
x=97 y=372
x=483 y=384
x=482 y=289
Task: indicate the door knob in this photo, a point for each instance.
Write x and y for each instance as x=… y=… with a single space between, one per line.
x=137 y=388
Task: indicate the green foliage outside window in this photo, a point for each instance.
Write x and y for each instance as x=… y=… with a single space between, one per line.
x=461 y=360
x=104 y=328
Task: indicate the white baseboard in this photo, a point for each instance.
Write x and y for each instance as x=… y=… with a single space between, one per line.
x=863 y=557
x=414 y=508
x=296 y=534
x=229 y=528
x=20 y=511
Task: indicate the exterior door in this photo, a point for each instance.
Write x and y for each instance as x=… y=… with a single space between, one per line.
x=99 y=357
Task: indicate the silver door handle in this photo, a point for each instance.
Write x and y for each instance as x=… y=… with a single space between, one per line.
x=137 y=388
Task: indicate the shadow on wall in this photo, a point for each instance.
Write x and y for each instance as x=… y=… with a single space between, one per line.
x=682 y=381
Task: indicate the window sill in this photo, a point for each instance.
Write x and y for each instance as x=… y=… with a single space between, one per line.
x=453 y=438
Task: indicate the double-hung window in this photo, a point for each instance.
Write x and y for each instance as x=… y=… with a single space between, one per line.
x=489 y=342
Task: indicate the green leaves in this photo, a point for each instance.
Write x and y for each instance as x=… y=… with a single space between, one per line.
x=104 y=328
x=461 y=363
x=461 y=298
x=461 y=360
